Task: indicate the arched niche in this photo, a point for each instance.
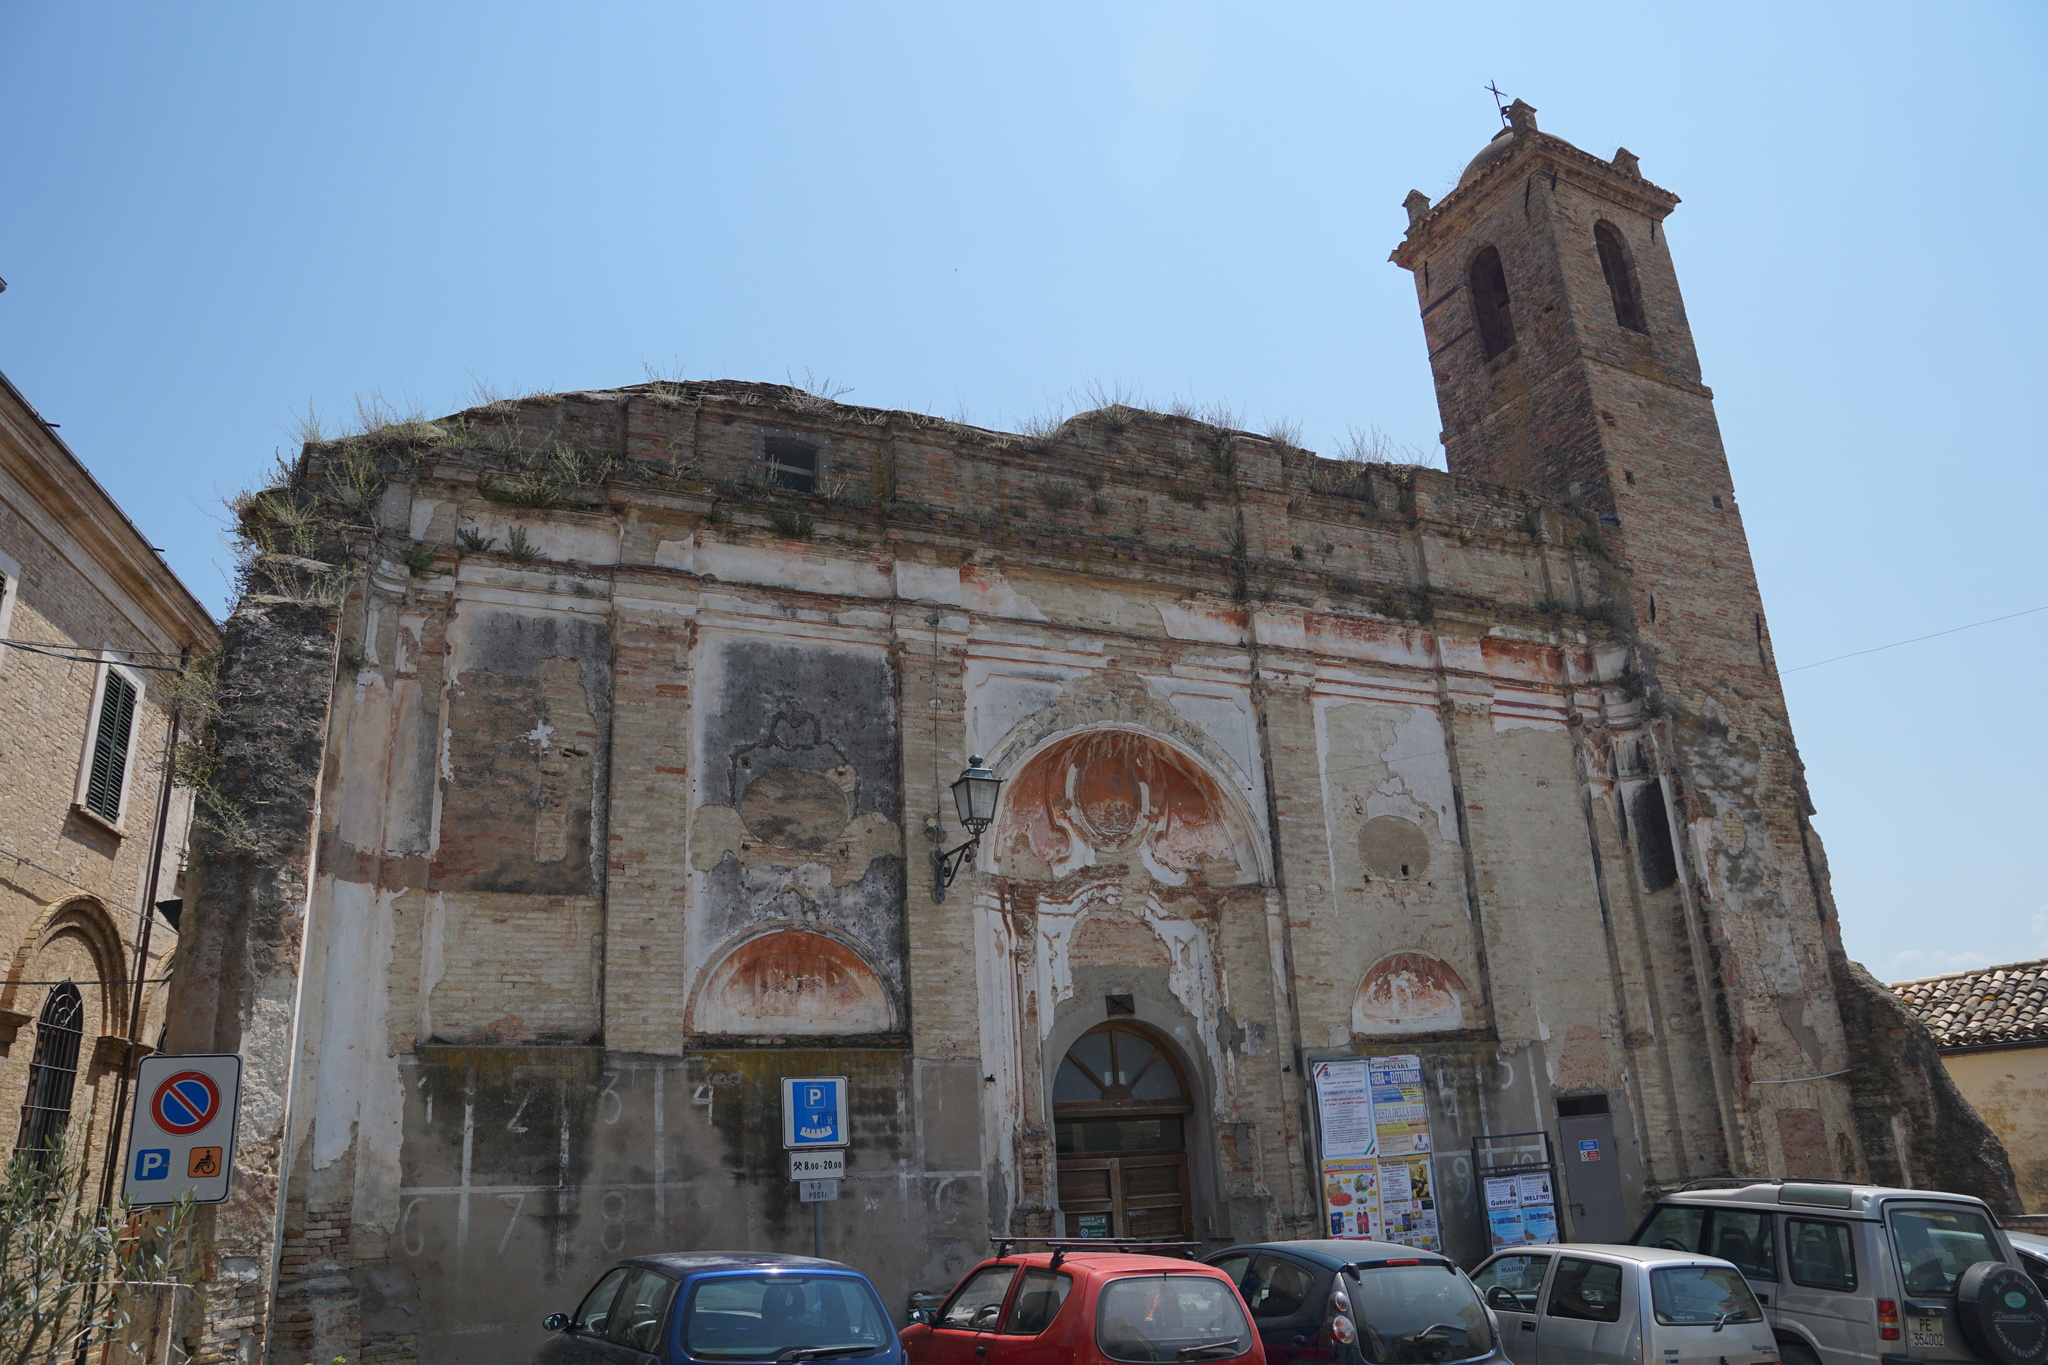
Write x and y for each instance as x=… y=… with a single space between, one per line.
x=1411 y=992
x=792 y=982
x=1122 y=795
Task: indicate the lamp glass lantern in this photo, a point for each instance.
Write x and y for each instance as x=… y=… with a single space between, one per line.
x=974 y=796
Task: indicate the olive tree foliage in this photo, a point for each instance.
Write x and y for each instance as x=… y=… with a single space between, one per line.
x=76 y=1275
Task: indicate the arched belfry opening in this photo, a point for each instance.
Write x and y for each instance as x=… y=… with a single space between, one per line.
x=1621 y=278
x=1121 y=1109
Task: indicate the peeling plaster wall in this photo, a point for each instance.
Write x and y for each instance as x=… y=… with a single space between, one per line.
x=614 y=836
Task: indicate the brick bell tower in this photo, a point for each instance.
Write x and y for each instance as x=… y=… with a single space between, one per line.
x=1564 y=366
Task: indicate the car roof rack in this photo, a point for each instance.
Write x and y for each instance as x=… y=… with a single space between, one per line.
x=1061 y=1246
x=1729 y=1182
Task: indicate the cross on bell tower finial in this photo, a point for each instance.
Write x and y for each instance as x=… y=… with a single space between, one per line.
x=1498 y=107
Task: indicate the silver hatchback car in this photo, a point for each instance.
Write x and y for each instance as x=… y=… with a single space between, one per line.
x=1603 y=1305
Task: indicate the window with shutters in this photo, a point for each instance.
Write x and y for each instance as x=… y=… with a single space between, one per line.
x=52 y=1075
x=110 y=737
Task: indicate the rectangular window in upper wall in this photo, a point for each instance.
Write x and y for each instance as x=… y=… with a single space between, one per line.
x=110 y=744
x=792 y=464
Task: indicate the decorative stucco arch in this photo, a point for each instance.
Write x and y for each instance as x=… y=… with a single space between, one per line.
x=1183 y=776
x=792 y=978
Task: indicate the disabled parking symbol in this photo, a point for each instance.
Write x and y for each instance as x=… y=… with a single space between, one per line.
x=152 y=1163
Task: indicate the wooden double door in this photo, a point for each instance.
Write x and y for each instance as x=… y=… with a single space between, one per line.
x=1120 y=1111
x=1141 y=1195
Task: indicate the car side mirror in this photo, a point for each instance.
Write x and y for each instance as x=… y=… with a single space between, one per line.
x=555 y=1322
x=920 y=1315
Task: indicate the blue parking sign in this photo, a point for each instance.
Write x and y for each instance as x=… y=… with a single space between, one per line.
x=152 y=1163
x=814 y=1111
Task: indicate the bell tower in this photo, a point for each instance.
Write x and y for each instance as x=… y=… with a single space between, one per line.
x=1564 y=366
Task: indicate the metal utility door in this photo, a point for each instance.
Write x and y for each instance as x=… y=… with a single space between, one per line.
x=1592 y=1178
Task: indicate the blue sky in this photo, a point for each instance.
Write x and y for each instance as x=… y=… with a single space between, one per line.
x=218 y=213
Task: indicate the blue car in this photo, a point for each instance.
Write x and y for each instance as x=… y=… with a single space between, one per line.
x=724 y=1308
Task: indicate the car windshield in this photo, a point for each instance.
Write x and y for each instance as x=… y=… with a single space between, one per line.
x=1685 y=1295
x=1418 y=1315
x=1170 y=1317
x=783 y=1317
x=1936 y=1245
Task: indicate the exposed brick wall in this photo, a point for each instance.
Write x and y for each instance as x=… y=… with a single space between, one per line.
x=71 y=885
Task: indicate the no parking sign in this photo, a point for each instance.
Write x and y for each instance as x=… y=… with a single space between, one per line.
x=184 y=1131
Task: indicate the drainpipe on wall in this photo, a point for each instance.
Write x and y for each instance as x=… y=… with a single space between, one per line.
x=151 y=879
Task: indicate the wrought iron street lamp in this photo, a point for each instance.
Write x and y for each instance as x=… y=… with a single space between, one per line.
x=974 y=797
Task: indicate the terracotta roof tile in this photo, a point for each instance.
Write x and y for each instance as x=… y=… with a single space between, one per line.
x=2006 y=1004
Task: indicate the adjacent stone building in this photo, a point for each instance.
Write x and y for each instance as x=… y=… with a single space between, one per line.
x=593 y=747
x=92 y=622
x=1991 y=1024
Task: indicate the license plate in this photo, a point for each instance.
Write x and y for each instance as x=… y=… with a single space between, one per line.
x=1925 y=1334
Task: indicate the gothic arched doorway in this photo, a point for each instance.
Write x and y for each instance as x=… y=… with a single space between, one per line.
x=1120 y=1114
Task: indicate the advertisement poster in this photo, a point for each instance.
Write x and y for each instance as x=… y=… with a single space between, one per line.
x=1408 y=1204
x=1344 y=1106
x=1504 y=1211
x=1400 y=1113
x=1539 y=1208
x=1520 y=1210
x=1351 y=1197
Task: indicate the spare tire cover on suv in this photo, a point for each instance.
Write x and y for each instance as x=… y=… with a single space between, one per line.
x=2003 y=1314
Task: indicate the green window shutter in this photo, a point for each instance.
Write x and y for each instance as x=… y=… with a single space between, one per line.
x=110 y=748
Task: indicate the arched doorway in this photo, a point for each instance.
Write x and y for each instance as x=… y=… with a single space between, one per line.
x=1120 y=1114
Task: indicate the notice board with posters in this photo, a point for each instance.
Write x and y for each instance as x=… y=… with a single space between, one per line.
x=1518 y=1185
x=1372 y=1119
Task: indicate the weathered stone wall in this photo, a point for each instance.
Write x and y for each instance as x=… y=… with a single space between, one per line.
x=1916 y=1127
x=638 y=753
x=620 y=827
x=236 y=978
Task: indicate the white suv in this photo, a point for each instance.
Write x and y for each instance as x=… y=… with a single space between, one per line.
x=1864 y=1274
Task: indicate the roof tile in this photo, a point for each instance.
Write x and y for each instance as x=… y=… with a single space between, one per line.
x=2006 y=1004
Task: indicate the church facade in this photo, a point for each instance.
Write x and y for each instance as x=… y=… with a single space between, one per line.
x=592 y=752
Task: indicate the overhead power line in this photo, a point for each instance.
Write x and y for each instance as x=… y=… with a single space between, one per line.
x=1855 y=653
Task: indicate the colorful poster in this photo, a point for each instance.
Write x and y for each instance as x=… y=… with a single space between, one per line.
x=1351 y=1197
x=1408 y=1203
x=1504 y=1211
x=1345 y=1109
x=1539 y=1208
x=1400 y=1110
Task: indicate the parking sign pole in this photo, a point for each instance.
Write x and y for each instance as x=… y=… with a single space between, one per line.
x=814 y=1134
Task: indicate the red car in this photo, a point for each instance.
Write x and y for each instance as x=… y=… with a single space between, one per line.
x=1087 y=1308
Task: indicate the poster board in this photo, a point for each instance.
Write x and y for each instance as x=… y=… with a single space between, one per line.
x=1400 y=1109
x=1351 y=1197
x=1518 y=1188
x=1344 y=1110
x=1373 y=1124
